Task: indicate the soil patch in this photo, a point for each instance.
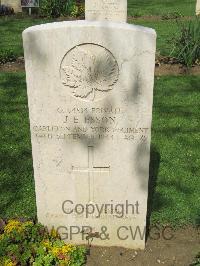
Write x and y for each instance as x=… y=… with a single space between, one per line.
x=176 y=70
x=179 y=251
x=161 y=70
x=13 y=66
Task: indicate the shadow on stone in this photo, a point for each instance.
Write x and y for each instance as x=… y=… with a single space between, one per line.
x=153 y=175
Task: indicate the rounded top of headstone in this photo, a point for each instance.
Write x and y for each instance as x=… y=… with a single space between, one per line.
x=83 y=23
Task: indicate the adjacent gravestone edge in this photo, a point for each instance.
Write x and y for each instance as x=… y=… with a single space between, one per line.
x=109 y=10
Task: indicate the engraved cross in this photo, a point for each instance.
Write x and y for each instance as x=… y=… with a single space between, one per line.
x=91 y=169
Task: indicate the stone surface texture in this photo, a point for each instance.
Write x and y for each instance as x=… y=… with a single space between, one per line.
x=90 y=93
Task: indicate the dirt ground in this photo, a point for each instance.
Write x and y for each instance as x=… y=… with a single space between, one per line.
x=179 y=251
x=175 y=70
x=13 y=66
x=162 y=70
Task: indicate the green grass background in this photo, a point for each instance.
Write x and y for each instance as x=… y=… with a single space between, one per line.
x=11 y=33
x=161 y=7
x=175 y=182
x=16 y=173
x=174 y=191
x=11 y=28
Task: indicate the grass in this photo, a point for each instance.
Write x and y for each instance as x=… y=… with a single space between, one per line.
x=175 y=182
x=165 y=32
x=176 y=139
x=11 y=33
x=11 y=28
x=161 y=7
x=16 y=173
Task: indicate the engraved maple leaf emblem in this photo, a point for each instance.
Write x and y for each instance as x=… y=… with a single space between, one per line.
x=90 y=72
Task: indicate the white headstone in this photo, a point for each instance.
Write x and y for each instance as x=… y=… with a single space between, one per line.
x=90 y=92
x=113 y=10
x=198 y=7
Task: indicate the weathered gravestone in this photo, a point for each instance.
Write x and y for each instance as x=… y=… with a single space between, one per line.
x=114 y=10
x=90 y=91
x=198 y=7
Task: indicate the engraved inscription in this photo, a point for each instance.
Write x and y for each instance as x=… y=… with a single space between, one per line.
x=111 y=10
x=92 y=124
x=90 y=170
x=89 y=71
